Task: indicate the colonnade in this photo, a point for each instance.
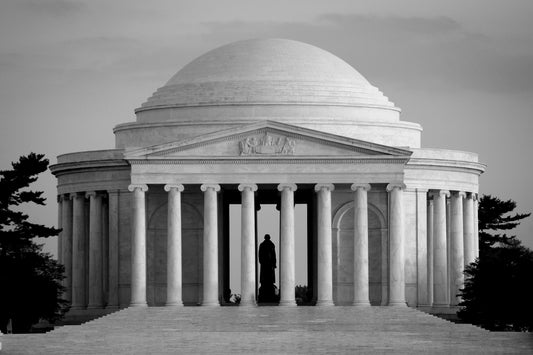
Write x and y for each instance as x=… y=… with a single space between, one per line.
x=449 y=251
x=94 y=284
x=88 y=248
x=287 y=256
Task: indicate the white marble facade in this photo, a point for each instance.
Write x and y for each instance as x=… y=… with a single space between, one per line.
x=277 y=121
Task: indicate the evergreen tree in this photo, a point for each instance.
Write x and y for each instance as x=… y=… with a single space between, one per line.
x=496 y=215
x=497 y=292
x=30 y=279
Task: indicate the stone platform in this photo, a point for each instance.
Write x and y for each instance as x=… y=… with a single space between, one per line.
x=268 y=330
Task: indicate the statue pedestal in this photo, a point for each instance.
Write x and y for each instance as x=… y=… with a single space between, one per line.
x=268 y=294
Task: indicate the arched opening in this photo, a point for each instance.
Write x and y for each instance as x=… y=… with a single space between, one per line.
x=343 y=252
x=156 y=249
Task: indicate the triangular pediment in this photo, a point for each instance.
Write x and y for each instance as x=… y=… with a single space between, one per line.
x=266 y=139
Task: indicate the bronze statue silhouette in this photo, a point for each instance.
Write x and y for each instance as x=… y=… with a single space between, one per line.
x=267 y=276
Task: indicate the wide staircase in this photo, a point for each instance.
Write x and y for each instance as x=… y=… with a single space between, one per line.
x=268 y=330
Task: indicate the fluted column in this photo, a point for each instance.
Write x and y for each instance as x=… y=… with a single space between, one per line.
x=430 y=247
x=456 y=245
x=105 y=249
x=396 y=247
x=440 y=273
x=59 y=226
x=360 y=245
x=174 y=267
x=138 y=247
x=79 y=300
x=210 y=297
x=324 y=256
x=468 y=228
x=287 y=282
x=247 y=244
x=113 y=249
x=476 y=225
x=66 y=245
x=96 y=299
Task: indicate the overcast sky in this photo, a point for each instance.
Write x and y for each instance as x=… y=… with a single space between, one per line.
x=72 y=70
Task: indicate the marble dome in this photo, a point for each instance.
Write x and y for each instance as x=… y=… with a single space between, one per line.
x=267 y=71
x=268 y=80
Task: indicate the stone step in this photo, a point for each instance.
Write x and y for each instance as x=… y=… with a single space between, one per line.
x=265 y=330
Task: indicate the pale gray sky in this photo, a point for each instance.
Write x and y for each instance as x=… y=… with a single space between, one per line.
x=71 y=70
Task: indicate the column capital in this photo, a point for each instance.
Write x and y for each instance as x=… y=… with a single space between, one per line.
x=434 y=193
x=475 y=196
x=205 y=187
x=395 y=185
x=73 y=195
x=142 y=187
x=469 y=195
x=289 y=186
x=113 y=192
x=321 y=186
x=459 y=193
x=178 y=187
x=89 y=194
x=356 y=186
x=252 y=187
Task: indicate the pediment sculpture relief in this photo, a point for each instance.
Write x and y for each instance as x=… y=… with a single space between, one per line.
x=267 y=144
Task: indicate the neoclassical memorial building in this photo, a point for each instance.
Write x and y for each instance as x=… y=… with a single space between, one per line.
x=267 y=121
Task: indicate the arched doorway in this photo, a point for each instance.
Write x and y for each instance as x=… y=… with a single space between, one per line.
x=343 y=254
x=192 y=257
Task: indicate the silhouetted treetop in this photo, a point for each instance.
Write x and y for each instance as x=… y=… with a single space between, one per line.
x=496 y=215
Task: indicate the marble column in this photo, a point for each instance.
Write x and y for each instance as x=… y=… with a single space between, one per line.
x=105 y=249
x=440 y=265
x=79 y=300
x=430 y=215
x=324 y=252
x=96 y=299
x=396 y=247
x=66 y=245
x=468 y=228
x=138 y=247
x=360 y=245
x=113 y=249
x=456 y=246
x=210 y=296
x=476 y=225
x=287 y=265
x=60 y=226
x=174 y=258
x=247 y=244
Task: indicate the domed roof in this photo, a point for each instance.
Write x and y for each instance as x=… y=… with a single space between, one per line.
x=267 y=71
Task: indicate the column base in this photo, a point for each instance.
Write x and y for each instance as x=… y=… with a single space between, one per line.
x=441 y=306
x=95 y=306
x=291 y=303
x=444 y=309
x=112 y=307
x=174 y=304
x=210 y=304
x=324 y=303
x=361 y=304
x=77 y=308
x=139 y=304
x=247 y=304
x=397 y=304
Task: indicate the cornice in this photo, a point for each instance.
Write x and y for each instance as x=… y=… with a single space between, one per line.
x=268 y=160
x=104 y=164
x=264 y=103
x=246 y=121
x=461 y=165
